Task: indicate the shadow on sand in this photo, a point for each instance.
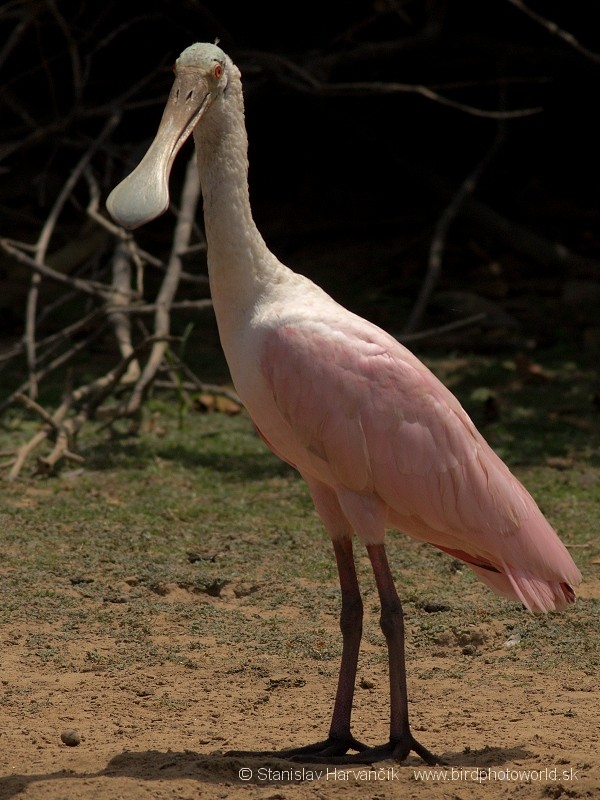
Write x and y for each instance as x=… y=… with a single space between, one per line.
x=153 y=765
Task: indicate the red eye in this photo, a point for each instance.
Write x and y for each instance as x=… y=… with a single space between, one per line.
x=218 y=71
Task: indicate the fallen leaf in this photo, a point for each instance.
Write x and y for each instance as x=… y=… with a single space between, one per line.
x=215 y=402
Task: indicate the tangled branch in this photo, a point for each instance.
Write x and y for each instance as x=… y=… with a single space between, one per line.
x=118 y=303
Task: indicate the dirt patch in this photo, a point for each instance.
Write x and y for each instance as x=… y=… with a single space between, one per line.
x=161 y=731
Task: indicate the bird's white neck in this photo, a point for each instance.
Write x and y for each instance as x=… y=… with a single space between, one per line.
x=241 y=266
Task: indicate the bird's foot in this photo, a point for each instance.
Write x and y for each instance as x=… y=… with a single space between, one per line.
x=334 y=750
x=332 y=747
x=394 y=750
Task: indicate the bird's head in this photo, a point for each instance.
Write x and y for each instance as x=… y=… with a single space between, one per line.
x=202 y=72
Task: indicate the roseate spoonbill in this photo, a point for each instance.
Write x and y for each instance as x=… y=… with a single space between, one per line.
x=379 y=440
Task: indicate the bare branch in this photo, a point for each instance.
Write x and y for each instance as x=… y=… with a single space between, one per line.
x=181 y=238
x=202 y=388
x=44 y=241
x=76 y=71
x=555 y=30
x=16 y=34
x=121 y=301
x=24 y=452
x=59 y=361
x=434 y=264
x=121 y=284
x=93 y=288
x=429 y=94
x=49 y=342
x=194 y=383
x=86 y=399
x=441 y=329
x=152 y=308
x=33 y=406
x=138 y=255
x=303 y=80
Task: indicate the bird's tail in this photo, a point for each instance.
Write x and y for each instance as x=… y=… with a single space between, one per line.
x=537 y=594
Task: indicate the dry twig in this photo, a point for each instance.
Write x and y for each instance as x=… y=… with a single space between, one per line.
x=556 y=30
x=304 y=80
x=436 y=250
x=118 y=303
x=166 y=295
x=41 y=247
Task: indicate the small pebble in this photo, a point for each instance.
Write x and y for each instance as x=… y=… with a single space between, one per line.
x=70 y=738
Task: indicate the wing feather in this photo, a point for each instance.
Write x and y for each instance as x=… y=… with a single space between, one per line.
x=366 y=415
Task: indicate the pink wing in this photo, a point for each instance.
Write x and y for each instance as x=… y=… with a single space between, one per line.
x=368 y=419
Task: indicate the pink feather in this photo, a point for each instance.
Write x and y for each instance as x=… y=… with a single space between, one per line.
x=361 y=414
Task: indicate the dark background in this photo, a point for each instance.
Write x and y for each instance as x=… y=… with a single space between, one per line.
x=347 y=186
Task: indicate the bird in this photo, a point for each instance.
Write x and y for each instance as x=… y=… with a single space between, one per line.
x=381 y=443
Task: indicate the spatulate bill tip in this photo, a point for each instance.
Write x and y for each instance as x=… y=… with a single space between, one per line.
x=131 y=206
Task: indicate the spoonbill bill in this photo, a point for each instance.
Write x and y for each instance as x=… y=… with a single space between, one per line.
x=380 y=441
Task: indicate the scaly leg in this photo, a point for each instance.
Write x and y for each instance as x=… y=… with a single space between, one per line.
x=392 y=624
x=340 y=740
x=335 y=748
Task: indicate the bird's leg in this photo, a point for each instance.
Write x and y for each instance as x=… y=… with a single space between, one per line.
x=392 y=624
x=351 y=618
x=340 y=740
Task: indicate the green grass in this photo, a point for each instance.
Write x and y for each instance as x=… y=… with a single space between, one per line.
x=93 y=554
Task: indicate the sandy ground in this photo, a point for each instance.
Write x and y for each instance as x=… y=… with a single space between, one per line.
x=161 y=732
